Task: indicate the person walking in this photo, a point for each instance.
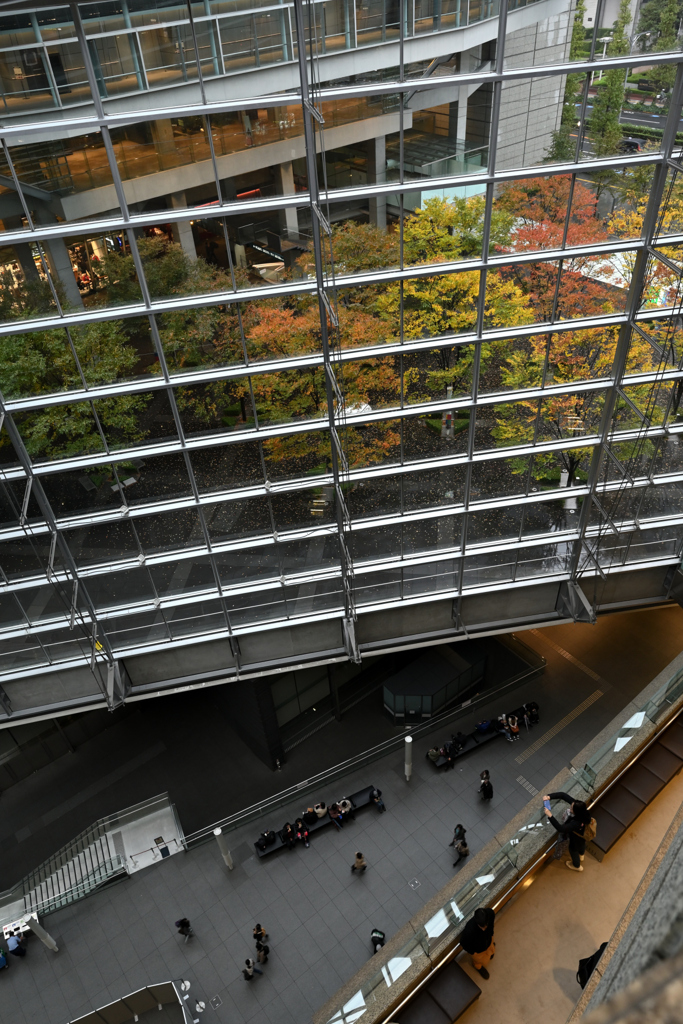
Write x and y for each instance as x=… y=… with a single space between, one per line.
x=377 y=938
x=260 y=934
x=15 y=944
x=262 y=952
x=485 y=787
x=359 y=864
x=462 y=850
x=477 y=939
x=250 y=969
x=184 y=928
x=574 y=827
x=459 y=832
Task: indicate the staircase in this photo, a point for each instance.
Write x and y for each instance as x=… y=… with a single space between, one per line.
x=86 y=863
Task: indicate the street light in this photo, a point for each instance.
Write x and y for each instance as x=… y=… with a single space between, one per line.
x=605 y=40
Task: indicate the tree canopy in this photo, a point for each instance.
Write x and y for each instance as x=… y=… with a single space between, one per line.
x=604 y=125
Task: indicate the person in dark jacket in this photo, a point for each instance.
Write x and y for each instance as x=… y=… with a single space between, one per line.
x=288 y=835
x=477 y=939
x=301 y=830
x=573 y=827
x=310 y=817
x=262 y=951
x=334 y=811
x=184 y=928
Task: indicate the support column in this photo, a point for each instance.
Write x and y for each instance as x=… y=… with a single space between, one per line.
x=289 y=219
x=59 y=262
x=249 y=707
x=377 y=173
x=182 y=230
x=457 y=117
x=22 y=251
x=334 y=692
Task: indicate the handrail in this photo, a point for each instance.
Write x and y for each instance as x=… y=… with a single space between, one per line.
x=102 y=873
x=498 y=876
x=82 y=845
x=247 y=814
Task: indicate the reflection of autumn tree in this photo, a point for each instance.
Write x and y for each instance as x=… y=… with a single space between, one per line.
x=446 y=304
x=42 y=362
x=541 y=205
x=627 y=222
x=301 y=394
x=566 y=357
x=452 y=229
x=191 y=337
x=361 y=247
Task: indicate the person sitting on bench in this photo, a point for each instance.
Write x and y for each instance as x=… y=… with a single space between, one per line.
x=434 y=754
x=458 y=742
x=320 y=809
x=336 y=815
x=288 y=835
x=310 y=816
x=346 y=808
x=301 y=831
x=502 y=726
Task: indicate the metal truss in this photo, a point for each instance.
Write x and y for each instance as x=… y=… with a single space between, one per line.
x=580 y=550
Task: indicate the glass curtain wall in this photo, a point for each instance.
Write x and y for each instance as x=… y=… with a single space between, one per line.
x=367 y=341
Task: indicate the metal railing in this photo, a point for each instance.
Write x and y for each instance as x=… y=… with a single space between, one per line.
x=302 y=789
x=529 y=842
x=80 y=866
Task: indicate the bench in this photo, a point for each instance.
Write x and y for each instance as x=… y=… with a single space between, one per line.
x=616 y=811
x=362 y=798
x=477 y=739
x=442 y=1000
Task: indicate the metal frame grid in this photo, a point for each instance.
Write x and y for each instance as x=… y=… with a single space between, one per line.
x=353 y=580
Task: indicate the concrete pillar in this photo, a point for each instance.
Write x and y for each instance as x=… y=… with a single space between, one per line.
x=57 y=256
x=248 y=706
x=289 y=219
x=457 y=117
x=164 y=143
x=59 y=262
x=22 y=251
x=377 y=173
x=182 y=230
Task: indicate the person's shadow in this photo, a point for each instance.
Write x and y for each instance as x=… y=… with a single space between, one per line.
x=565 y=979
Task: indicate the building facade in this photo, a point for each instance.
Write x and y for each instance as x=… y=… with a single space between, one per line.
x=310 y=352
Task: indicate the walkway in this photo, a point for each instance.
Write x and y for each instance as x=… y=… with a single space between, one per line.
x=318 y=914
x=137 y=757
x=578 y=913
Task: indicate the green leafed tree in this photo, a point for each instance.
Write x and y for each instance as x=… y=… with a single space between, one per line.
x=605 y=129
x=562 y=147
x=42 y=362
x=663 y=77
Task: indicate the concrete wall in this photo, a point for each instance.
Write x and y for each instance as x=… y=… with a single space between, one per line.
x=531 y=109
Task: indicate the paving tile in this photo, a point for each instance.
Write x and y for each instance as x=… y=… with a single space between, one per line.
x=318 y=913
